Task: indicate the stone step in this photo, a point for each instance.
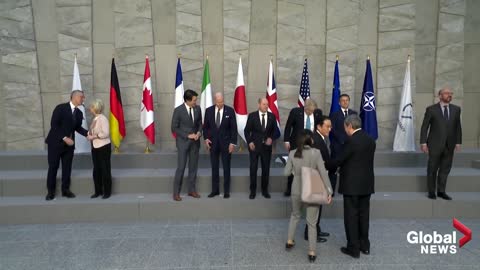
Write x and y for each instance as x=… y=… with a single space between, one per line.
x=141 y=207
x=387 y=179
x=38 y=160
x=476 y=164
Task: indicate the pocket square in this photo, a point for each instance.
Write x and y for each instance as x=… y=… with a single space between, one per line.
x=227 y=116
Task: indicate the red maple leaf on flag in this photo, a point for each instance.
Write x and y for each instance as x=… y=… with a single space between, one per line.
x=147 y=100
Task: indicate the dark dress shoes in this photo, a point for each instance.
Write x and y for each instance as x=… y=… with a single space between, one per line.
x=96 y=195
x=50 y=196
x=252 y=196
x=431 y=195
x=312 y=258
x=321 y=239
x=106 y=196
x=68 y=194
x=444 y=196
x=287 y=193
x=226 y=195
x=350 y=253
x=177 y=197
x=289 y=246
x=323 y=234
x=213 y=194
x=266 y=195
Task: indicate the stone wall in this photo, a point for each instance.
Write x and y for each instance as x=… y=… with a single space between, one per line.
x=39 y=39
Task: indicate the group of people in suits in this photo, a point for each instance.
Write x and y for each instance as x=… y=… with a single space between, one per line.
x=219 y=130
x=326 y=144
x=66 y=120
x=330 y=145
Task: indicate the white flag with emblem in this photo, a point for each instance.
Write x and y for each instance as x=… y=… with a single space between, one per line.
x=405 y=134
x=82 y=145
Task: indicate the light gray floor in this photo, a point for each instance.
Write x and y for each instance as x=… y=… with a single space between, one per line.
x=221 y=244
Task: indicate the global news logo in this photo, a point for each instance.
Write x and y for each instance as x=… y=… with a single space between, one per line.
x=437 y=243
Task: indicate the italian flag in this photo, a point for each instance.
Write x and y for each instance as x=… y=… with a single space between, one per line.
x=206 y=96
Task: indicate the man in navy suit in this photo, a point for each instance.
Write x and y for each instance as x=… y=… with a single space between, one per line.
x=259 y=135
x=298 y=120
x=321 y=142
x=338 y=135
x=357 y=184
x=220 y=133
x=66 y=119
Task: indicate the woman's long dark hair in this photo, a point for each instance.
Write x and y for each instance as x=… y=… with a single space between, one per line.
x=304 y=139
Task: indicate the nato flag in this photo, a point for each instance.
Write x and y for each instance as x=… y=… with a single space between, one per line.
x=368 y=112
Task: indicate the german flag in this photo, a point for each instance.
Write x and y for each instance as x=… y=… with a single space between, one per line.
x=117 y=122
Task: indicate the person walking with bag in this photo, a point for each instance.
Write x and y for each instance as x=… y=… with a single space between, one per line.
x=305 y=156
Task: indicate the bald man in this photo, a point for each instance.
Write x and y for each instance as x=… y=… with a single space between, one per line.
x=220 y=133
x=259 y=135
x=440 y=137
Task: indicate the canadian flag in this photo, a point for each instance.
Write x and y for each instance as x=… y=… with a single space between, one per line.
x=146 y=112
x=240 y=102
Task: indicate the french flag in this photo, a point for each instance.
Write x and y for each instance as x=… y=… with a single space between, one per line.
x=178 y=88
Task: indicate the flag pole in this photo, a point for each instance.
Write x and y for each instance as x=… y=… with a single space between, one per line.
x=336 y=57
x=408 y=59
x=147 y=148
x=368 y=57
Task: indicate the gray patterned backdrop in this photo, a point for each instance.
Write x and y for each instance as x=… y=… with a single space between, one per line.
x=38 y=40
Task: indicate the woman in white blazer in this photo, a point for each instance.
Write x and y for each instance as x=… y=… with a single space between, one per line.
x=99 y=135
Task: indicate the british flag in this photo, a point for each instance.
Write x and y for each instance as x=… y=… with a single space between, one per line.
x=272 y=99
x=304 y=86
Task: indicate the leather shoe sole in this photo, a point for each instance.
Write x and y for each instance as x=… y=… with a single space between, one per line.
x=365 y=251
x=194 y=195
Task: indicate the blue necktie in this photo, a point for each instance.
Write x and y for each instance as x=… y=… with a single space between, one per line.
x=308 y=124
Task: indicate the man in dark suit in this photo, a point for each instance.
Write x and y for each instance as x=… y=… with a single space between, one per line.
x=259 y=135
x=357 y=182
x=440 y=137
x=322 y=143
x=66 y=119
x=187 y=125
x=220 y=133
x=338 y=135
x=298 y=120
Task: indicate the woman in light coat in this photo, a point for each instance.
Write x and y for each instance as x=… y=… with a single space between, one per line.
x=99 y=135
x=305 y=156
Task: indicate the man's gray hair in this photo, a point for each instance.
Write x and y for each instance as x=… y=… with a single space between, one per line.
x=75 y=92
x=354 y=121
x=310 y=104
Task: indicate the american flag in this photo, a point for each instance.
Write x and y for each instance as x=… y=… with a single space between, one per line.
x=304 y=86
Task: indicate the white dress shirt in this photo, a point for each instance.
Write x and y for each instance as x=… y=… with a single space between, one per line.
x=188 y=111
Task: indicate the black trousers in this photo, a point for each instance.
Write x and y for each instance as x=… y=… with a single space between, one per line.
x=56 y=153
x=215 y=161
x=265 y=156
x=438 y=168
x=356 y=211
x=102 y=173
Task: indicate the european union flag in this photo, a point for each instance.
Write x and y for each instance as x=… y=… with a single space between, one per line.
x=368 y=112
x=335 y=106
